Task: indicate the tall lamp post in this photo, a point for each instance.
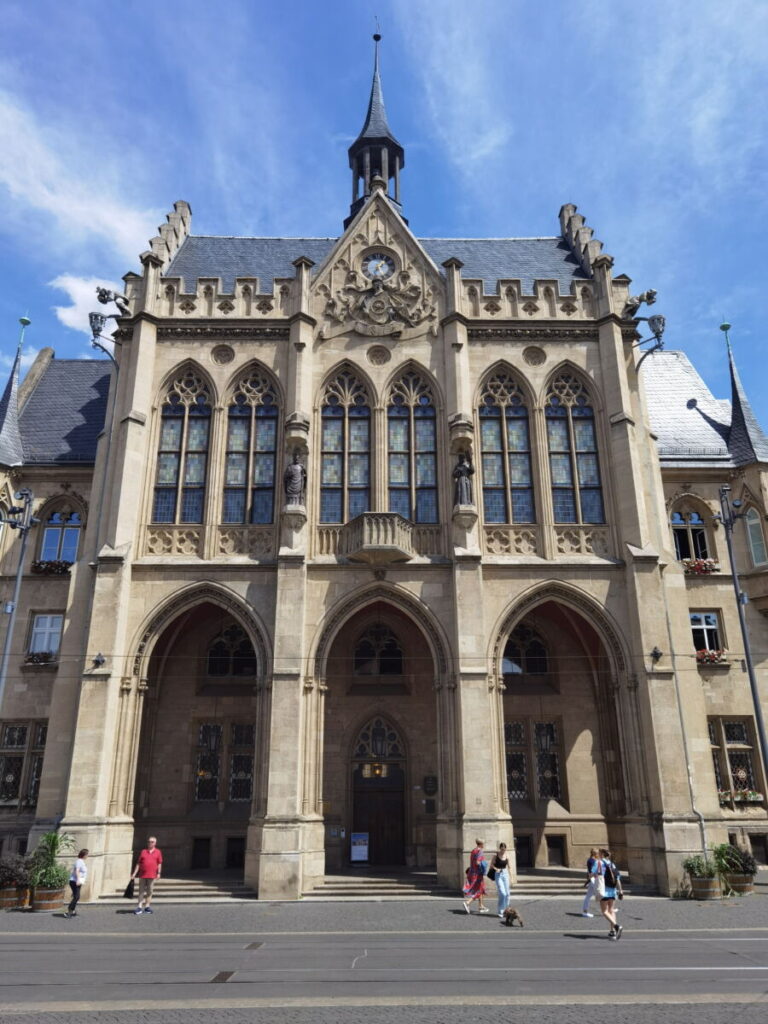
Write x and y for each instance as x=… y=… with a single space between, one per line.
x=18 y=517
x=728 y=517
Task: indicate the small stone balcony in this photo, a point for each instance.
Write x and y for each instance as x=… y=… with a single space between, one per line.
x=377 y=538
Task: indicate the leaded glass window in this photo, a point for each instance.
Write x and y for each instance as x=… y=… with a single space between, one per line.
x=378 y=740
x=412 y=456
x=577 y=495
x=224 y=762
x=61 y=536
x=231 y=654
x=22 y=747
x=525 y=654
x=505 y=439
x=756 y=537
x=737 y=770
x=249 y=478
x=345 y=470
x=532 y=746
x=378 y=653
x=182 y=459
x=690 y=535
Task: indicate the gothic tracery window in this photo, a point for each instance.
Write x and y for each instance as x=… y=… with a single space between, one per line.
x=506 y=453
x=182 y=460
x=412 y=457
x=249 y=484
x=378 y=741
x=231 y=654
x=525 y=654
x=577 y=494
x=345 y=474
x=378 y=653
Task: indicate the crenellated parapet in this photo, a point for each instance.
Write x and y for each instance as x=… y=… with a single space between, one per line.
x=207 y=298
x=545 y=301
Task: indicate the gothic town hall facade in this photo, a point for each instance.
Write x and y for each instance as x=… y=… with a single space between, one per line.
x=386 y=537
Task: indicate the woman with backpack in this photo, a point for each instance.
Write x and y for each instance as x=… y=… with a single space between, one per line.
x=474 y=887
x=611 y=889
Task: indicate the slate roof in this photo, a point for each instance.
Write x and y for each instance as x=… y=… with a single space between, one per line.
x=11 y=447
x=746 y=440
x=376 y=125
x=489 y=259
x=63 y=417
x=691 y=425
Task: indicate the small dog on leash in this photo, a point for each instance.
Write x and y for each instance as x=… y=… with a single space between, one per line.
x=510 y=916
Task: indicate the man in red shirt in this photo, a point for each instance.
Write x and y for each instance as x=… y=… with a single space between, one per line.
x=148 y=868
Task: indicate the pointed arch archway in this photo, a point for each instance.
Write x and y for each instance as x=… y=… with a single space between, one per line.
x=407 y=686
x=192 y=726
x=572 y=744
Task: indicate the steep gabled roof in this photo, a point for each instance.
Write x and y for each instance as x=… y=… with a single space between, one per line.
x=746 y=439
x=64 y=415
x=11 y=445
x=376 y=125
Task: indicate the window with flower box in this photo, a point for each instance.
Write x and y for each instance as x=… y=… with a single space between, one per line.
x=734 y=761
x=44 y=638
x=707 y=638
x=60 y=542
x=22 y=747
x=534 y=761
x=224 y=761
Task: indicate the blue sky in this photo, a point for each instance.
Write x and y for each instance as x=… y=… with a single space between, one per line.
x=650 y=116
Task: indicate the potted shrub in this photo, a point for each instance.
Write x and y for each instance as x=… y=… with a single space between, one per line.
x=736 y=867
x=705 y=884
x=14 y=881
x=49 y=877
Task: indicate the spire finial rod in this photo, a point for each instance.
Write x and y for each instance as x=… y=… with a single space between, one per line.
x=25 y=322
x=725 y=327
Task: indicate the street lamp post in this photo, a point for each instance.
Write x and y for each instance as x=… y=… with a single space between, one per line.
x=728 y=517
x=18 y=517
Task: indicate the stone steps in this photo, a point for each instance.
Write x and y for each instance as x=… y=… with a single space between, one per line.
x=190 y=890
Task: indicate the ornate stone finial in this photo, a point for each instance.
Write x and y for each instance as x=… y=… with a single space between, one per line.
x=378 y=184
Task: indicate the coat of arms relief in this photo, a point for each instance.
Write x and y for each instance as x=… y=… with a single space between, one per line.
x=375 y=290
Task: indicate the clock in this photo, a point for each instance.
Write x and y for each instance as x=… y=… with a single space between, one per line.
x=378 y=266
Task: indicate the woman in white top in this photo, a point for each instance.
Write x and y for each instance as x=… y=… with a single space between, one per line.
x=76 y=880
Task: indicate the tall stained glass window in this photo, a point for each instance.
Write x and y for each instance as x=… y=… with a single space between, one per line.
x=182 y=459
x=345 y=472
x=249 y=480
x=577 y=493
x=506 y=453
x=412 y=456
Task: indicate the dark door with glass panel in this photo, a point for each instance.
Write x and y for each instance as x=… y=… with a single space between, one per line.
x=379 y=810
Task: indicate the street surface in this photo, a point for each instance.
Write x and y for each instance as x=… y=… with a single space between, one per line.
x=420 y=962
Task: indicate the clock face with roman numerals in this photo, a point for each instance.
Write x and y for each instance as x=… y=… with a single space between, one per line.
x=378 y=266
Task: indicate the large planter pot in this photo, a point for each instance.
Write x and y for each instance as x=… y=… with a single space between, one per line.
x=705 y=888
x=48 y=899
x=740 y=884
x=8 y=898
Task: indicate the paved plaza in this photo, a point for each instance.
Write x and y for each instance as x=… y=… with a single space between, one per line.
x=422 y=962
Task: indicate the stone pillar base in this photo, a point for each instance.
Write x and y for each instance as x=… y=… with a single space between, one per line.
x=284 y=857
x=110 y=851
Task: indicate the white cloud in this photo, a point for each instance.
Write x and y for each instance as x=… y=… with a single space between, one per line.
x=51 y=170
x=82 y=295
x=28 y=356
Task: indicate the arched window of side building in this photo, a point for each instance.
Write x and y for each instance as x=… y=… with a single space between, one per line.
x=689 y=532
x=249 y=480
x=755 y=536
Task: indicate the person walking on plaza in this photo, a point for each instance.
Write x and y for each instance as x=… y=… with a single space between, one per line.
x=76 y=880
x=474 y=887
x=148 y=867
x=594 y=855
x=611 y=890
x=500 y=865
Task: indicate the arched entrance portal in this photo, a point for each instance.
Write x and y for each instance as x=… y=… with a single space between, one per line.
x=562 y=739
x=197 y=770
x=380 y=753
x=378 y=804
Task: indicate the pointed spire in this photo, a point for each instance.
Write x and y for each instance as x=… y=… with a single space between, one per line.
x=746 y=440
x=11 y=448
x=375 y=156
x=376 y=125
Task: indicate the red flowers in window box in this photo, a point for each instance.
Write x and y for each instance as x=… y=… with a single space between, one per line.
x=54 y=567
x=711 y=657
x=700 y=566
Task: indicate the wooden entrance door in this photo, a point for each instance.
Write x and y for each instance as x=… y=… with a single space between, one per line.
x=379 y=810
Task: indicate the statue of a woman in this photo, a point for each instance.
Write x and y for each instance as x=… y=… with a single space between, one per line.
x=462 y=473
x=295 y=481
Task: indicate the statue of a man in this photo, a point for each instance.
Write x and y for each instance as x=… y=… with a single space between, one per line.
x=462 y=473
x=295 y=481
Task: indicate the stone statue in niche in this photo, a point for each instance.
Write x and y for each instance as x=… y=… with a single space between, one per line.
x=295 y=480
x=105 y=296
x=462 y=473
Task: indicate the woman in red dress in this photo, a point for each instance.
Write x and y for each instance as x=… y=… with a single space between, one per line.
x=474 y=887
